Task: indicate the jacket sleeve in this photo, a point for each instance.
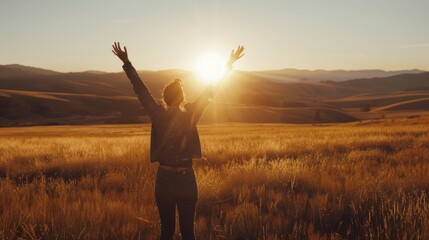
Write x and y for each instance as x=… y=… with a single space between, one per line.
x=202 y=102
x=151 y=106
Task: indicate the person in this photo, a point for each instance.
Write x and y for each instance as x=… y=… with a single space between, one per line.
x=175 y=144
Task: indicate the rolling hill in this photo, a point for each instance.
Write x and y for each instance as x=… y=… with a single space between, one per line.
x=421 y=104
x=296 y=75
x=33 y=96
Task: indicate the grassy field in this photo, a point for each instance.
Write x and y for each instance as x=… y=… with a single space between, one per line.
x=365 y=180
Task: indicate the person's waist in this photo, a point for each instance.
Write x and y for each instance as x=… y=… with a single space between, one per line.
x=174 y=168
x=179 y=166
x=177 y=162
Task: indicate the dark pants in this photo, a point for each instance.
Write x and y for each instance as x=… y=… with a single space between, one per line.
x=176 y=189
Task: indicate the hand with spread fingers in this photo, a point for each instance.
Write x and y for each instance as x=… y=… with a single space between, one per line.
x=235 y=55
x=123 y=55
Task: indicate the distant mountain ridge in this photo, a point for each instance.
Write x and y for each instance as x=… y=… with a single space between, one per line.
x=291 y=74
x=19 y=70
x=282 y=75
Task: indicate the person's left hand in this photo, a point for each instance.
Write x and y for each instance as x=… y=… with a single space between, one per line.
x=123 y=55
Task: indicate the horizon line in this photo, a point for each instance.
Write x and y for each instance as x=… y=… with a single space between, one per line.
x=242 y=70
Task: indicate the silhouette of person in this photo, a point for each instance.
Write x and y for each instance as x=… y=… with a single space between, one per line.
x=175 y=144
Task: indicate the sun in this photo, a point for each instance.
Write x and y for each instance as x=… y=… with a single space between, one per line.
x=210 y=68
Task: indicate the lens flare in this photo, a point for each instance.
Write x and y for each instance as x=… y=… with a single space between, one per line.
x=210 y=68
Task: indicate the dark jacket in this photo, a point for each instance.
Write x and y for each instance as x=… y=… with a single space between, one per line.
x=174 y=136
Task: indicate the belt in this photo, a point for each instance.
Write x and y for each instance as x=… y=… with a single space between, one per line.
x=174 y=169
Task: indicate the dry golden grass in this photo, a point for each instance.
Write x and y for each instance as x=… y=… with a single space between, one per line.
x=351 y=181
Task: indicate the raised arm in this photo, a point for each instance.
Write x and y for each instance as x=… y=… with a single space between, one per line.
x=143 y=93
x=235 y=55
x=210 y=91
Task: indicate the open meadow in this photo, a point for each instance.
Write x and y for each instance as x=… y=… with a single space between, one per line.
x=363 y=180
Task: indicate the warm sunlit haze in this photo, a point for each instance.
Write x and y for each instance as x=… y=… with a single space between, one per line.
x=210 y=67
x=76 y=35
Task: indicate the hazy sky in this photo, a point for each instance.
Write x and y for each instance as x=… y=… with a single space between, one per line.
x=77 y=35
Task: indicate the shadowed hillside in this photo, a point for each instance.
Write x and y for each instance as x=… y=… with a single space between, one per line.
x=294 y=75
x=395 y=83
x=36 y=96
x=421 y=103
x=377 y=99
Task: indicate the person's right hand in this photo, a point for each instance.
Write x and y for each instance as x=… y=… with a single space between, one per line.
x=123 y=55
x=235 y=55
